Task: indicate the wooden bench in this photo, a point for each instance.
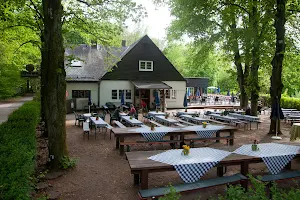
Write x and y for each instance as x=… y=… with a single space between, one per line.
x=119 y=124
x=270 y=178
x=193 y=140
x=185 y=122
x=154 y=193
x=181 y=125
x=128 y=144
x=156 y=123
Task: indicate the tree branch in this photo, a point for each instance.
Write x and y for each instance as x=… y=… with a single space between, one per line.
x=37 y=10
x=33 y=42
x=236 y=5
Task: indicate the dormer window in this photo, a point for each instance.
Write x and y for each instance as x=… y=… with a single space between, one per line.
x=76 y=63
x=145 y=65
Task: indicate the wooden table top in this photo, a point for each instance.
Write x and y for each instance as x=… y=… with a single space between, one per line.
x=138 y=160
x=127 y=132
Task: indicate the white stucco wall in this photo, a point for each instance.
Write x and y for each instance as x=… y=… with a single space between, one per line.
x=180 y=87
x=81 y=102
x=106 y=86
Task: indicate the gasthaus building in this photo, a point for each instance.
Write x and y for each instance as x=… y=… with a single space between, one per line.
x=138 y=70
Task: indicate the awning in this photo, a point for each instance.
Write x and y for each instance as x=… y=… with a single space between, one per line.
x=150 y=85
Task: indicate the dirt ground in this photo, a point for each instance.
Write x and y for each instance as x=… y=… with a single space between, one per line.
x=101 y=173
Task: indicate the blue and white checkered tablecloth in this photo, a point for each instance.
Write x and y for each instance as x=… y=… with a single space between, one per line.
x=192 y=167
x=204 y=132
x=153 y=135
x=275 y=156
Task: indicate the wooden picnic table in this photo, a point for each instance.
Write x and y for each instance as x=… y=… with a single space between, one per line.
x=133 y=121
x=224 y=118
x=154 y=113
x=123 y=133
x=141 y=166
x=194 y=119
x=180 y=113
x=168 y=120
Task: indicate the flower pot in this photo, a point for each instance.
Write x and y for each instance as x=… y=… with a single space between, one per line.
x=152 y=128
x=185 y=152
x=254 y=147
x=97 y=118
x=204 y=125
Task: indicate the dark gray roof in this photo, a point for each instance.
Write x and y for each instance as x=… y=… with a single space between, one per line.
x=95 y=62
x=197 y=82
x=143 y=49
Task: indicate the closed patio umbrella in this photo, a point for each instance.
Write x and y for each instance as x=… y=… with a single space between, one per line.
x=185 y=100
x=157 y=100
x=122 y=99
x=276 y=114
x=198 y=92
x=90 y=102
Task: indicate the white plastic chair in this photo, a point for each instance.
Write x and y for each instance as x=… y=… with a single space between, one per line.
x=86 y=129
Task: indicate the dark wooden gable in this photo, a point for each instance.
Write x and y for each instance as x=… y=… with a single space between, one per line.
x=144 y=49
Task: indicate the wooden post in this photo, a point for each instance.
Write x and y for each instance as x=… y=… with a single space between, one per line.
x=140 y=99
x=163 y=103
x=134 y=89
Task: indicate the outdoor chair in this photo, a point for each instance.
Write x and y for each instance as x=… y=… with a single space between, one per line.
x=78 y=118
x=86 y=129
x=103 y=115
x=114 y=116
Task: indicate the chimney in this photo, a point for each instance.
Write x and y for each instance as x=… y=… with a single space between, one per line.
x=94 y=44
x=123 y=43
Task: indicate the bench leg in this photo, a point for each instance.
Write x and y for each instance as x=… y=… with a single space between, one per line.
x=220 y=171
x=121 y=146
x=218 y=135
x=289 y=166
x=144 y=179
x=136 y=179
x=117 y=142
x=231 y=133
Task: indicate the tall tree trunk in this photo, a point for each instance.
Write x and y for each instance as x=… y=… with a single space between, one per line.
x=276 y=82
x=54 y=87
x=255 y=60
x=241 y=74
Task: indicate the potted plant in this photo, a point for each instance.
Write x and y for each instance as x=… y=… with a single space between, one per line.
x=204 y=124
x=186 y=150
x=167 y=115
x=152 y=127
x=157 y=110
x=185 y=110
x=254 y=146
x=130 y=117
x=97 y=118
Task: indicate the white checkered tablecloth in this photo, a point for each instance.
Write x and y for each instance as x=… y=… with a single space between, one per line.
x=191 y=118
x=204 y=132
x=275 y=156
x=244 y=117
x=133 y=121
x=192 y=167
x=99 y=123
x=153 y=135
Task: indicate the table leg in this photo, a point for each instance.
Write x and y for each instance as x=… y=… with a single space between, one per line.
x=172 y=144
x=218 y=135
x=256 y=125
x=245 y=171
x=95 y=131
x=117 y=142
x=250 y=125
x=144 y=179
x=220 y=171
x=121 y=146
x=231 y=133
x=136 y=179
x=289 y=166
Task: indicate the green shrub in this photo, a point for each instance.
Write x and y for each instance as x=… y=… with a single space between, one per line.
x=285 y=102
x=67 y=163
x=18 y=151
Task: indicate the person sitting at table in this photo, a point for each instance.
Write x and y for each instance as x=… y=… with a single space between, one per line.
x=132 y=110
x=144 y=105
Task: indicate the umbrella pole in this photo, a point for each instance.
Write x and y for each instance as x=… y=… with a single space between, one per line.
x=89 y=109
x=276 y=137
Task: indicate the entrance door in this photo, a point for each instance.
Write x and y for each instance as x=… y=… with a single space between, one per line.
x=145 y=96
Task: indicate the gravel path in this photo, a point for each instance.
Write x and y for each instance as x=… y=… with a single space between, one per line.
x=101 y=173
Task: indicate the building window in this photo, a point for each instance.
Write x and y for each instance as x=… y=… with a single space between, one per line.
x=167 y=94
x=114 y=94
x=128 y=94
x=120 y=94
x=81 y=93
x=173 y=94
x=145 y=65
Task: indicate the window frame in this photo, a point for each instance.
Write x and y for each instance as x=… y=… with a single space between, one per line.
x=81 y=93
x=146 y=62
x=112 y=95
x=126 y=94
x=173 y=94
x=168 y=94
